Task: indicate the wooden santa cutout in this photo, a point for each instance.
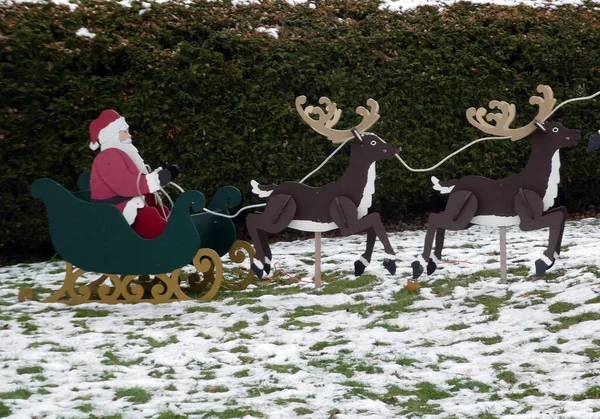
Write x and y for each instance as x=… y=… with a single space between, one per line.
x=343 y=204
x=523 y=199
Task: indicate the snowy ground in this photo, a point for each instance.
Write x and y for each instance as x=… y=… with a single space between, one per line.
x=464 y=346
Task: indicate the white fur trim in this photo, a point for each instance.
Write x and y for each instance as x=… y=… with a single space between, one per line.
x=556 y=255
x=312 y=226
x=553 y=181
x=367 y=197
x=131 y=208
x=153 y=182
x=364 y=261
x=546 y=260
x=267 y=260
x=421 y=260
x=110 y=131
x=257 y=191
x=435 y=259
x=495 y=220
x=438 y=187
x=258 y=264
x=94 y=145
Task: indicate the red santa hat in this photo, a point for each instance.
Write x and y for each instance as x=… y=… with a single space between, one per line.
x=106 y=127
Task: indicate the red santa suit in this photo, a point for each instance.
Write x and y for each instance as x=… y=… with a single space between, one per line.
x=120 y=177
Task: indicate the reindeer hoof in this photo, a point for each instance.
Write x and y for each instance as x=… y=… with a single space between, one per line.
x=257 y=271
x=359 y=268
x=267 y=268
x=541 y=267
x=390 y=266
x=431 y=266
x=417 y=269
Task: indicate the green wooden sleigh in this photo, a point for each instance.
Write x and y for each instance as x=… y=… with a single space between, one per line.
x=96 y=238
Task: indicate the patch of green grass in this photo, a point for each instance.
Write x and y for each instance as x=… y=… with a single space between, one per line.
x=318 y=309
x=4 y=410
x=420 y=402
x=528 y=392
x=457 y=326
x=560 y=341
x=592 y=353
x=507 y=376
x=258 y=309
x=113 y=359
x=240 y=349
x=241 y=374
x=30 y=370
x=302 y=411
x=492 y=304
x=162 y=343
x=594 y=300
x=551 y=349
x=324 y=344
x=257 y=391
x=369 y=368
x=238 y=412
x=85 y=408
x=237 y=326
x=566 y=322
x=134 y=395
x=561 y=307
x=335 y=285
x=401 y=301
x=202 y=308
x=469 y=246
x=460 y=383
x=263 y=321
x=58 y=348
x=492 y=340
x=88 y=312
x=521 y=270
x=21 y=393
x=281 y=368
x=284 y=402
x=170 y=415
x=406 y=361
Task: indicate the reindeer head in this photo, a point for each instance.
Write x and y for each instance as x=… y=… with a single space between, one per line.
x=547 y=134
x=370 y=146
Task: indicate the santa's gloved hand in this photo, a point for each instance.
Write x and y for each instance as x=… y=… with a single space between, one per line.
x=164 y=177
x=174 y=170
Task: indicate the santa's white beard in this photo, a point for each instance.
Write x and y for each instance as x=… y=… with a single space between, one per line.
x=130 y=150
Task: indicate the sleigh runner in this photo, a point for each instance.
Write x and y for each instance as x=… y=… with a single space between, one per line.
x=97 y=238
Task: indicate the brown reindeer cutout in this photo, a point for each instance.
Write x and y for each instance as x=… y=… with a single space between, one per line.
x=523 y=199
x=343 y=204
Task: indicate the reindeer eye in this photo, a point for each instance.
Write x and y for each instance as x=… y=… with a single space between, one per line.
x=555 y=129
x=373 y=142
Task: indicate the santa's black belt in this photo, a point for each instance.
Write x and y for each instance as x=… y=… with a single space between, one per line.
x=115 y=200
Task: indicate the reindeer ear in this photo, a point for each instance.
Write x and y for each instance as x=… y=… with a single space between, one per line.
x=540 y=125
x=357 y=134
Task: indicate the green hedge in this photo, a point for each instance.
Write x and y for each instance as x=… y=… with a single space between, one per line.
x=200 y=87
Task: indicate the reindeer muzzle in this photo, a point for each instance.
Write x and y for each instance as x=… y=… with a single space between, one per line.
x=594 y=143
x=391 y=149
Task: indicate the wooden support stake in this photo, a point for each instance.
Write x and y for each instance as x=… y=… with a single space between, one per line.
x=317 y=260
x=503 y=279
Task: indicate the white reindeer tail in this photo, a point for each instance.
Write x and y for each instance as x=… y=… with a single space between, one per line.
x=256 y=189
x=446 y=188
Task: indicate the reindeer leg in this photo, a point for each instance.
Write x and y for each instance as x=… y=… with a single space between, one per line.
x=278 y=214
x=345 y=214
x=562 y=228
x=529 y=207
x=460 y=209
x=365 y=258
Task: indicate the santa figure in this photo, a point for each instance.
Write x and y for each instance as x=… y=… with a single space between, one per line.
x=120 y=177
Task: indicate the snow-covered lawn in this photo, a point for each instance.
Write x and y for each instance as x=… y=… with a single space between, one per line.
x=465 y=345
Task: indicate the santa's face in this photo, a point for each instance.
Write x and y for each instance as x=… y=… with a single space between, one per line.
x=125 y=136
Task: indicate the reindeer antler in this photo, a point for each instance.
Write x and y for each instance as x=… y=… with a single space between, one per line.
x=506 y=116
x=328 y=118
